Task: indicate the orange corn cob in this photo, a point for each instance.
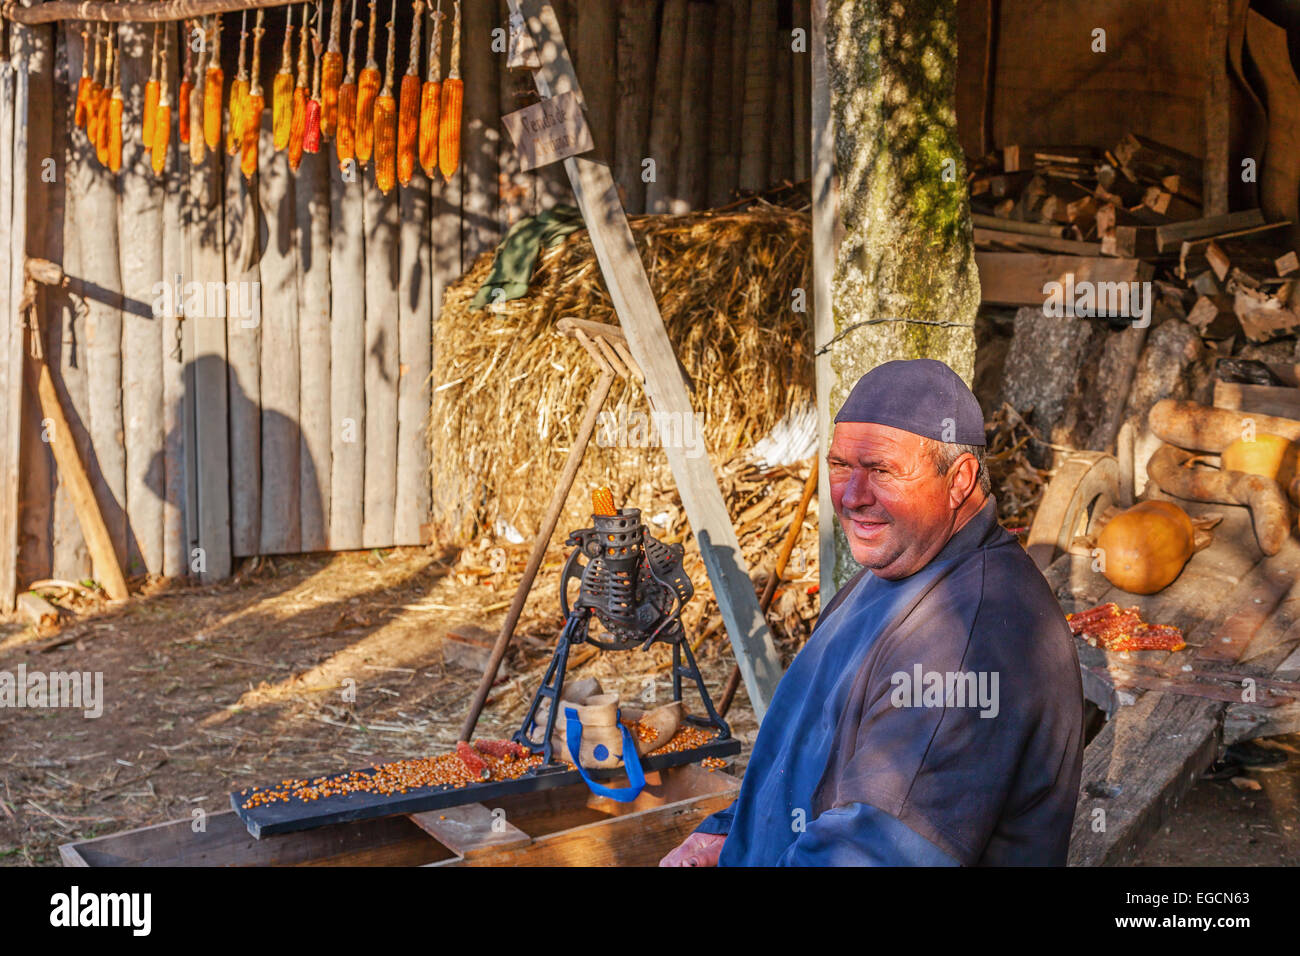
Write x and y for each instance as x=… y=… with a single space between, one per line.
x=91 y=116
x=83 y=84
x=367 y=90
x=602 y=502
x=238 y=93
x=251 y=110
x=345 y=142
x=198 y=146
x=408 y=114
x=430 y=95
x=213 y=82
x=103 y=138
x=332 y=71
x=114 y=124
x=312 y=121
x=187 y=87
x=282 y=91
x=151 y=93
x=386 y=119
x=453 y=97
x=298 y=120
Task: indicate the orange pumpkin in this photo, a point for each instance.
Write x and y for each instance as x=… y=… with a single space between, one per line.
x=1145 y=547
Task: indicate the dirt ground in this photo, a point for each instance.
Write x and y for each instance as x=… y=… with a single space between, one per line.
x=211 y=689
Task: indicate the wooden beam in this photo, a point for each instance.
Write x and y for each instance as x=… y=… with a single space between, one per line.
x=1172 y=236
x=128 y=11
x=1017 y=278
x=629 y=289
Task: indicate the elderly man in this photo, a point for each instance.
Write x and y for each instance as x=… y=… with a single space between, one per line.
x=935 y=716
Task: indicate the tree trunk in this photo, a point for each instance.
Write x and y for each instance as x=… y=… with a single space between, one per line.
x=905 y=284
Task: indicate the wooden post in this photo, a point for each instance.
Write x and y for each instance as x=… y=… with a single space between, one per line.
x=634 y=302
x=312 y=239
x=175 y=559
x=347 y=358
x=780 y=108
x=481 y=129
x=636 y=72
x=801 y=95
x=13 y=168
x=381 y=357
x=1218 y=94
x=691 y=182
x=722 y=132
x=755 y=125
x=415 y=293
x=595 y=46
x=825 y=193
x=665 y=131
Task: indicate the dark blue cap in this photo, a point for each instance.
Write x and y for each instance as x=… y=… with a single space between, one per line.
x=921 y=396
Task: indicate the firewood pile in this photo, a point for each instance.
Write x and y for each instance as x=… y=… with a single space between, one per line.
x=1133 y=213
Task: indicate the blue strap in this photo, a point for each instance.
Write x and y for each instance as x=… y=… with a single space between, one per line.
x=631 y=762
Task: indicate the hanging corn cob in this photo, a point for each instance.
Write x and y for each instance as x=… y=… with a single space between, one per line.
x=346 y=140
x=214 y=79
x=105 y=98
x=187 y=87
x=386 y=117
x=250 y=113
x=430 y=94
x=453 y=96
x=332 y=72
x=367 y=90
x=408 y=114
x=198 y=144
x=162 y=119
x=312 y=133
x=114 y=124
x=282 y=89
x=298 y=121
x=238 y=93
x=83 y=84
x=92 y=94
x=151 y=91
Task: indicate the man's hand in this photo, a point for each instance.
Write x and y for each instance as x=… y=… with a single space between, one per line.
x=698 y=849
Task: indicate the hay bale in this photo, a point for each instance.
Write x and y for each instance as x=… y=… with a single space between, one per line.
x=509 y=393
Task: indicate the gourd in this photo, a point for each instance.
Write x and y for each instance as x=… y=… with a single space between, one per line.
x=1146 y=546
x=1269 y=455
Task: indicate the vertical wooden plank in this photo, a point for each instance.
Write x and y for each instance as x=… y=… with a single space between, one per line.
x=779 y=107
x=444 y=235
x=518 y=189
x=801 y=95
x=381 y=360
x=824 y=214
x=595 y=54
x=140 y=248
x=11 y=360
x=755 y=123
x=347 y=359
x=722 y=135
x=210 y=555
x=481 y=128
x=175 y=557
x=1218 y=94
x=976 y=23
x=65 y=338
x=691 y=185
x=636 y=64
x=243 y=358
x=665 y=131
x=412 y=502
x=43 y=238
x=312 y=237
x=281 y=441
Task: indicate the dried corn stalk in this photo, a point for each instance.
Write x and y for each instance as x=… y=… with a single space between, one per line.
x=238 y=93
x=151 y=92
x=453 y=97
x=386 y=118
x=332 y=72
x=251 y=111
x=408 y=113
x=83 y=84
x=430 y=95
x=183 y=112
x=311 y=134
x=367 y=90
x=346 y=140
x=282 y=89
x=162 y=120
x=213 y=81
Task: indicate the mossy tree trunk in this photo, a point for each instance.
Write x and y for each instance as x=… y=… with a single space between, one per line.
x=905 y=284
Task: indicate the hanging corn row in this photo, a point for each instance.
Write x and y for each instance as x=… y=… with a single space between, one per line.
x=250 y=114
x=311 y=135
x=386 y=117
x=453 y=98
x=408 y=110
x=430 y=97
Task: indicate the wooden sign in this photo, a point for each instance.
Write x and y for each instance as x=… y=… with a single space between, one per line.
x=549 y=131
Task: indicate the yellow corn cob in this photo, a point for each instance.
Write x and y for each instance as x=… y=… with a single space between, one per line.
x=151 y=93
x=408 y=113
x=238 y=93
x=251 y=110
x=214 y=80
x=162 y=131
x=332 y=72
x=83 y=85
x=602 y=502
x=367 y=90
x=345 y=142
x=386 y=119
x=453 y=97
x=282 y=91
x=105 y=110
x=198 y=144
x=183 y=113
x=430 y=95
x=114 y=124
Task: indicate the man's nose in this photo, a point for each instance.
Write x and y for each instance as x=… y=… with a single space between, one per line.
x=858 y=492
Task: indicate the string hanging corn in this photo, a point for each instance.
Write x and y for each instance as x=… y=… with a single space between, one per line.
x=311 y=134
x=453 y=97
x=151 y=91
x=408 y=110
x=213 y=81
x=254 y=103
x=187 y=87
x=298 y=122
x=282 y=89
x=92 y=94
x=332 y=73
x=162 y=120
x=430 y=94
x=198 y=143
x=345 y=141
x=114 y=123
x=367 y=90
x=238 y=93
x=386 y=118
x=105 y=98
x=83 y=84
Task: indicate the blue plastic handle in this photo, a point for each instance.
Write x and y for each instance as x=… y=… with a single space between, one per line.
x=631 y=762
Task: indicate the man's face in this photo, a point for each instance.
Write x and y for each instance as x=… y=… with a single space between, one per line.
x=896 y=511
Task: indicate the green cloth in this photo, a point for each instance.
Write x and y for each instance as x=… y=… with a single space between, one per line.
x=512 y=268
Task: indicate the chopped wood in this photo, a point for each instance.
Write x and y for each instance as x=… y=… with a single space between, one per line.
x=1168 y=204
x=1017 y=278
x=38 y=610
x=1147 y=157
x=1281 y=401
x=1173 y=235
x=1214 y=317
x=1015 y=225
x=1047 y=243
x=1287 y=264
x=1218 y=260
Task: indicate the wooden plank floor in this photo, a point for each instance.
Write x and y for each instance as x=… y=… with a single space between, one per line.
x=1240 y=615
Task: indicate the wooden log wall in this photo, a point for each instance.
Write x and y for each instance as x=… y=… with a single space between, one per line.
x=285 y=411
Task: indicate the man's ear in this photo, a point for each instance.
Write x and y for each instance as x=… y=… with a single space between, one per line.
x=963 y=477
